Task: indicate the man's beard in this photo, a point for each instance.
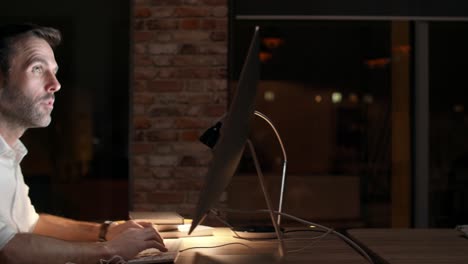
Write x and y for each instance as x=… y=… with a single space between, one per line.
x=21 y=110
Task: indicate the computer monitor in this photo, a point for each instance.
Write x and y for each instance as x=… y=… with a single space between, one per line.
x=233 y=134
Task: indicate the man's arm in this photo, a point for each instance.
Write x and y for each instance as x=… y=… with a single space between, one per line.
x=32 y=248
x=66 y=229
x=71 y=230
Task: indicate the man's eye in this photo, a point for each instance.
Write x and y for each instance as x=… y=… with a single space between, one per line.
x=37 y=69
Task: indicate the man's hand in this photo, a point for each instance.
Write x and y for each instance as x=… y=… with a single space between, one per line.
x=25 y=248
x=115 y=229
x=132 y=240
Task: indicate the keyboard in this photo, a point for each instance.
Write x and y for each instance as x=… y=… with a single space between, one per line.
x=463 y=229
x=153 y=255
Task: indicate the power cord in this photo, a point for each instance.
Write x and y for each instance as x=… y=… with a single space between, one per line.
x=313 y=243
x=216 y=214
x=303 y=230
x=329 y=230
x=217 y=246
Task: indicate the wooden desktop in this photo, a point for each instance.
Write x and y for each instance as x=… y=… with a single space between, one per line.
x=413 y=246
x=330 y=249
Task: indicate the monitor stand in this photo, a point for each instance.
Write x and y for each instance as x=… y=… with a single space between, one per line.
x=262 y=232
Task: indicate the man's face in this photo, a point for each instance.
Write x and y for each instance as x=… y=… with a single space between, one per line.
x=27 y=92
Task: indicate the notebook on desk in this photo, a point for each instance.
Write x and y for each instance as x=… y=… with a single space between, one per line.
x=182 y=231
x=157 y=218
x=165 y=221
x=153 y=255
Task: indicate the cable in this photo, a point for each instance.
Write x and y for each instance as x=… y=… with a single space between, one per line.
x=216 y=214
x=222 y=245
x=313 y=243
x=302 y=230
x=285 y=161
x=284 y=239
x=349 y=241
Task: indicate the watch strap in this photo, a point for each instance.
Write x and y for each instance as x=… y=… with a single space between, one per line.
x=103 y=230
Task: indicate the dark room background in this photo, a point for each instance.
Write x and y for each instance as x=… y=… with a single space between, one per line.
x=78 y=166
x=163 y=71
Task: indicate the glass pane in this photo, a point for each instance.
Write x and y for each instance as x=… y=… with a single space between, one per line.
x=448 y=123
x=326 y=85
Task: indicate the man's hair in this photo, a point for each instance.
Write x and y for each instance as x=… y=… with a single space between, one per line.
x=10 y=34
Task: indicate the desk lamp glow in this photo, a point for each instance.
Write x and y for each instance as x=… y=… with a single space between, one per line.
x=228 y=150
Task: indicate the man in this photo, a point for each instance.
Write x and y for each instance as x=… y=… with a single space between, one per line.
x=27 y=86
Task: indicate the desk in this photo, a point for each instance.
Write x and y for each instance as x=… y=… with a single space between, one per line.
x=413 y=246
x=330 y=249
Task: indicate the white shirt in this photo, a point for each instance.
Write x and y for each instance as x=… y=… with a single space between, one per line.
x=17 y=214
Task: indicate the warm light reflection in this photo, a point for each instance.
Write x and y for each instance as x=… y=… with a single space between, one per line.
x=272 y=43
x=377 y=63
x=458 y=108
x=402 y=49
x=353 y=98
x=318 y=99
x=368 y=99
x=184 y=228
x=337 y=97
x=265 y=56
x=269 y=96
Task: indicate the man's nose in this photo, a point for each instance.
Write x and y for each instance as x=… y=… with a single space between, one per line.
x=53 y=85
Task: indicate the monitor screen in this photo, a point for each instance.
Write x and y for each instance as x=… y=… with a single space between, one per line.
x=233 y=134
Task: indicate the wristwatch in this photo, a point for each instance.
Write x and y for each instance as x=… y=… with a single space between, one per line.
x=103 y=230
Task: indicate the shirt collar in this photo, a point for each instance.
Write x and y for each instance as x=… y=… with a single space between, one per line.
x=17 y=152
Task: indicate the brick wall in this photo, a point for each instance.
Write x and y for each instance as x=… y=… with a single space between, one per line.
x=179 y=90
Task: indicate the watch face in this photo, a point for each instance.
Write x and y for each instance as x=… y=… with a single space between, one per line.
x=103 y=230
